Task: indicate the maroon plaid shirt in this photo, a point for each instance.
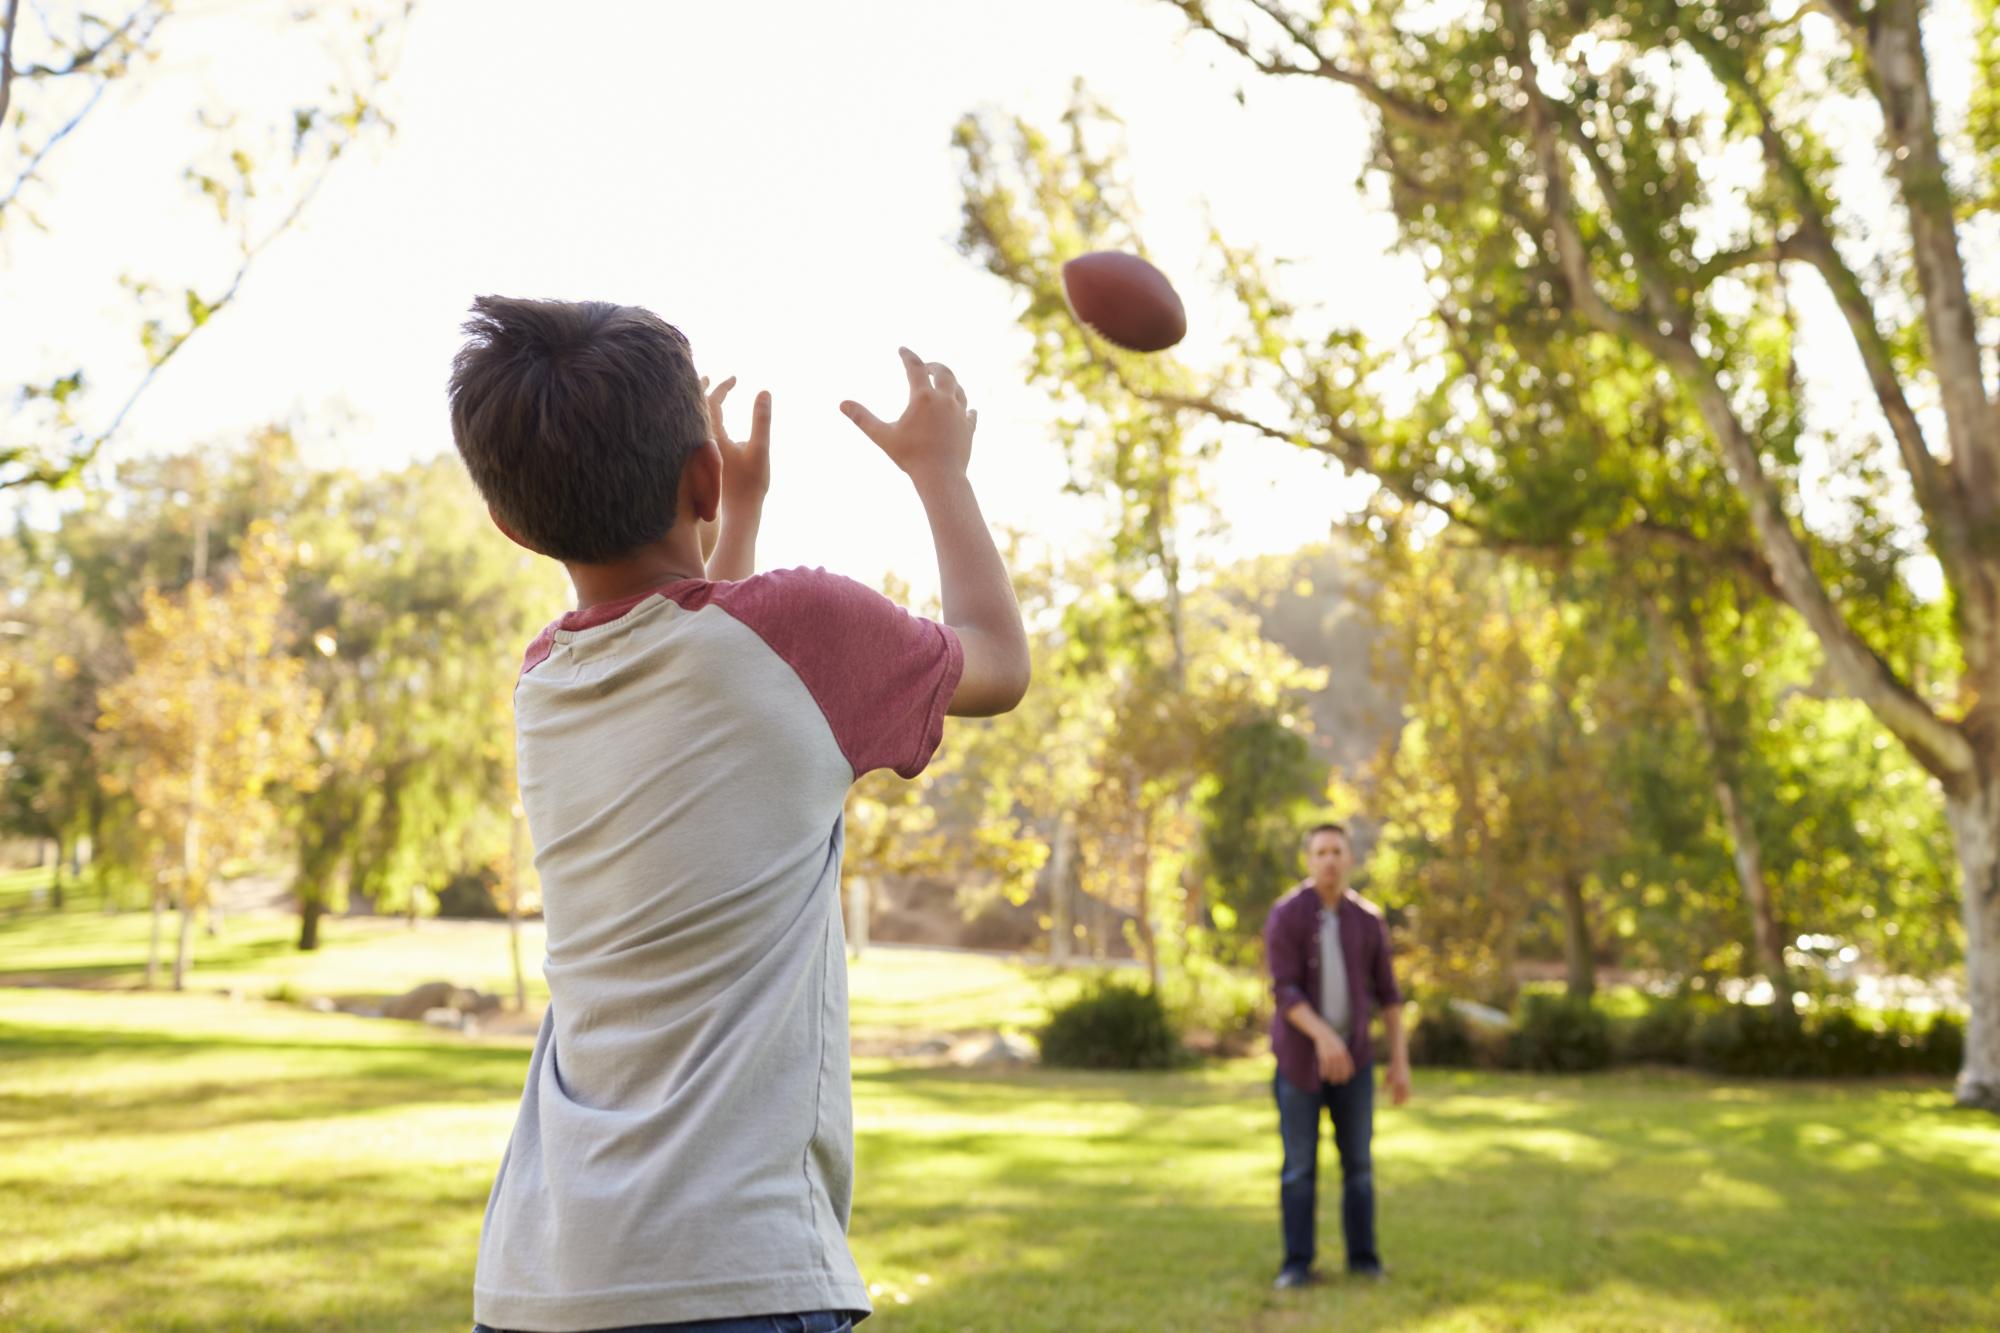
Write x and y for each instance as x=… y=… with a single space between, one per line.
x=1291 y=952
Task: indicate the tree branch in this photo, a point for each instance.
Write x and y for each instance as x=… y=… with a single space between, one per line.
x=1902 y=86
x=1405 y=112
x=7 y=58
x=1938 y=745
x=1786 y=247
x=1932 y=482
x=1812 y=241
x=34 y=163
x=82 y=60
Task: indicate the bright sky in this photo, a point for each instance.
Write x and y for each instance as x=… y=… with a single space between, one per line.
x=773 y=177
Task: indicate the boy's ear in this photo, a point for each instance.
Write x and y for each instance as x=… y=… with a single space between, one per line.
x=507 y=531
x=701 y=482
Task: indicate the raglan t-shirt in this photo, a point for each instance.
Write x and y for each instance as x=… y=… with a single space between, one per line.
x=684 y=1147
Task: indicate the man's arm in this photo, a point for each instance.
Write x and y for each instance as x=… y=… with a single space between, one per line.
x=1397 y=1079
x=1288 y=981
x=932 y=443
x=746 y=478
x=1390 y=997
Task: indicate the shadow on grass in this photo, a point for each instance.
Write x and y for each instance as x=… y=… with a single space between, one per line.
x=295 y=1081
x=353 y=1251
x=1656 y=1205
x=42 y=946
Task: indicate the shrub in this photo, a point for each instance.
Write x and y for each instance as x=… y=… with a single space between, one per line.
x=1111 y=1026
x=1662 y=1034
x=1554 y=1033
x=1943 y=1047
x=1755 y=1039
x=1202 y=995
x=1442 y=1038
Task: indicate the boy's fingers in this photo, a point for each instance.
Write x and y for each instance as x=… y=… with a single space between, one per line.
x=972 y=417
x=913 y=366
x=760 y=421
x=871 y=425
x=947 y=383
x=715 y=397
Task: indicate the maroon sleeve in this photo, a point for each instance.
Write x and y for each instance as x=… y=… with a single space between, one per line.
x=1285 y=961
x=1387 y=994
x=538 y=651
x=881 y=676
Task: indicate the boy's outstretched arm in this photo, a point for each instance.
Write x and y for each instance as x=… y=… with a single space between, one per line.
x=932 y=443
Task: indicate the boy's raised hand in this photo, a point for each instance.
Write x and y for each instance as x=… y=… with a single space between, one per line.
x=729 y=548
x=934 y=434
x=746 y=464
x=932 y=443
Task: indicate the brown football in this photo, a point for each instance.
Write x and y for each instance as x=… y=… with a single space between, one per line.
x=1124 y=300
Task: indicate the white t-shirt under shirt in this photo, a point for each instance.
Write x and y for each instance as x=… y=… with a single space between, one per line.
x=684 y=1148
x=1336 y=1005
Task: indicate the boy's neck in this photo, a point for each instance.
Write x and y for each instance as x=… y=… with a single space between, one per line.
x=674 y=557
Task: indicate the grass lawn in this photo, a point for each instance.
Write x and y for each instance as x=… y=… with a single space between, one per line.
x=183 y=1162
x=894 y=990
x=18 y=888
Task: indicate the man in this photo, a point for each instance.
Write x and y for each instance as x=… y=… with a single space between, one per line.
x=1328 y=955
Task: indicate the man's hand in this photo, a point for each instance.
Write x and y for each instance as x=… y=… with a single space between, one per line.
x=1397 y=1081
x=933 y=437
x=1336 y=1063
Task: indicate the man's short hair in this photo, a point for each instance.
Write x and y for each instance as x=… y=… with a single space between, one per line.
x=575 y=419
x=1318 y=829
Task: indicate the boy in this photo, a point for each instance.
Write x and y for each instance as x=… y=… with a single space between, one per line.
x=683 y=1154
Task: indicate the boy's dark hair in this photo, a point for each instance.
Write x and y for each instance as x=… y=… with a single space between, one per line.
x=575 y=419
x=1318 y=829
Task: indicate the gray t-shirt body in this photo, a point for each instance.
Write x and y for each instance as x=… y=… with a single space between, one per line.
x=684 y=1147
x=1336 y=1006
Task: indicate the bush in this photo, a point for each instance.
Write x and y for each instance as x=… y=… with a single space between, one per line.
x=1442 y=1038
x=1560 y=1035
x=1742 y=1039
x=1111 y=1026
x=1230 y=1008
x=1662 y=1034
x=1943 y=1048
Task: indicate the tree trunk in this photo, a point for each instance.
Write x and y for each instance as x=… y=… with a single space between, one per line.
x=184 y=952
x=1149 y=943
x=56 y=878
x=311 y=909
x=1744 y=849
x=1060 y=901
x=1577 y=946
x=1975 y=825
x=153 y=948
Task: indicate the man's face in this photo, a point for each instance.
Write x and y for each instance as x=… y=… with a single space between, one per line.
x=1327 y=858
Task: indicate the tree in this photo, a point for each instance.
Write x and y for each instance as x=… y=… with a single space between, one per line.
x=259 y=169
x=413 y=615
x=209 y=719
x=56 y=658
x=1560 y=172
x=1180 y=671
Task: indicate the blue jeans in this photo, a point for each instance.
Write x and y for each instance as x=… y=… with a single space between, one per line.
x=1352 y=1106
x=817 y=1321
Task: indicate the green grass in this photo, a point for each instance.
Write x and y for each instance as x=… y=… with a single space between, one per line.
x=18 y=887
x=183 y=1162
x=895 y=991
